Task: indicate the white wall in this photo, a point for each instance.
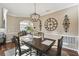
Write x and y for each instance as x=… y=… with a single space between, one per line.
x=78 y=29
x=0 y=17
x=59 y=16
x=13 y=22
x=13 y=26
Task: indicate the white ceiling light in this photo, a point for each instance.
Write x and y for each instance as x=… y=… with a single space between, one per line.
x=35 y=16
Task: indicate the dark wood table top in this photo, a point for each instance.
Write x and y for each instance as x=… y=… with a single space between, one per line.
x=36 y=43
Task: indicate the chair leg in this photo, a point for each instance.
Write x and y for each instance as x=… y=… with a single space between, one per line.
x=38 y=53
x=30 y=51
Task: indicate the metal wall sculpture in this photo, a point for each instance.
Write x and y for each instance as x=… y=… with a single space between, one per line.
x=37 y=25
x=66 y=23
x=40 y=25
x=51 y=24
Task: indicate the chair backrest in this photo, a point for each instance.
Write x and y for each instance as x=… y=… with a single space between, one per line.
x=2 y=37
x=17 y=43
x=22 y=33
x=14 y=40
x=39 y=34
x=59 y=46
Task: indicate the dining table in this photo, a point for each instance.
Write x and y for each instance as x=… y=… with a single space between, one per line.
x=41 y=46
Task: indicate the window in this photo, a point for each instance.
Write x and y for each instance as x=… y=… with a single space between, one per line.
x=25 y=24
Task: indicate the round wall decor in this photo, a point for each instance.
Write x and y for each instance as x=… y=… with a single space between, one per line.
x=51 y=24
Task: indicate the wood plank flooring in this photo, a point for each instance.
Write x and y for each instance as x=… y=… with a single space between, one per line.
x=6 y=47
x=12 y=45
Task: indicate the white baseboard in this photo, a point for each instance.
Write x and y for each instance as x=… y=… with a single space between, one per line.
x=8 y=41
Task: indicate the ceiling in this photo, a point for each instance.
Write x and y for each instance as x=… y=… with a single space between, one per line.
x=26 y=9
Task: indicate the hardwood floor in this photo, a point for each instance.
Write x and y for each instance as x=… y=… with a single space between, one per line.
x=6 y=47
x=11 y=45
x=71 y=52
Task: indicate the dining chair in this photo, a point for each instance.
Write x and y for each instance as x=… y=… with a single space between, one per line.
x=2 y=38
x=59 y=46
x=56 y=48
x=38 y=34
x=20 y=48
x=24 y=36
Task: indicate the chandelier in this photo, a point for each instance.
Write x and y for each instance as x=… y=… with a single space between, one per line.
x=35 y=17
